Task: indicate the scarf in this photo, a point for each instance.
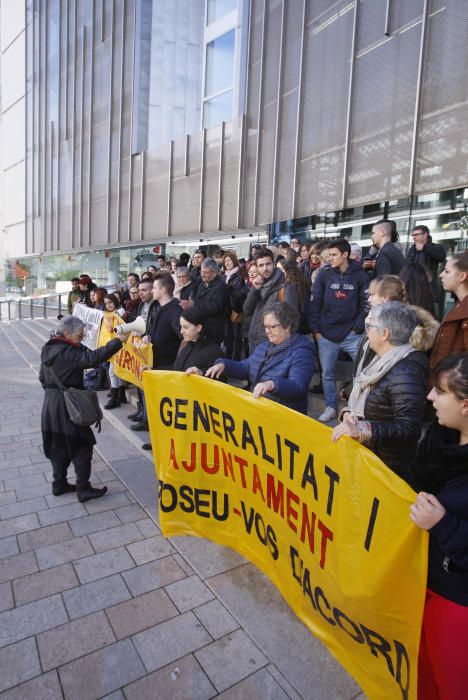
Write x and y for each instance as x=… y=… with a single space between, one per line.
x=372 y=374
x=273 y=350
x=230 y=273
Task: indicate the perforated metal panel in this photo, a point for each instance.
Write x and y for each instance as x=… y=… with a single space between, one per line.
x=442 y=154
x=290 y=78
x=383 y=118
x=326 y=79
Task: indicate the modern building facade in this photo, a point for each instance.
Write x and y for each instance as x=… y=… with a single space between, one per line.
x=133 y=124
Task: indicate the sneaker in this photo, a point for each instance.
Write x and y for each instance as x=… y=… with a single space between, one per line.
x=328 y=415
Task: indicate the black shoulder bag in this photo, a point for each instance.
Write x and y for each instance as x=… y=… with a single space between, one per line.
x=82 y=404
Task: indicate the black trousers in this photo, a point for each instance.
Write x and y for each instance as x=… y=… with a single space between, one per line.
x=81 y=458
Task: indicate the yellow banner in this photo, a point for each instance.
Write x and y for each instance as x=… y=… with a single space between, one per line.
x=327 y=522
x=134 y=357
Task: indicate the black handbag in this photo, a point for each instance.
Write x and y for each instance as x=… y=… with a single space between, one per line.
x=82 y=404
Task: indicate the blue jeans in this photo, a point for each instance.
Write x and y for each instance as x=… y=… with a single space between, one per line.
x=328 y=351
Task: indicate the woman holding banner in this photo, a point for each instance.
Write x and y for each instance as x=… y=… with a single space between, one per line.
x=63 y=441
x=197 y=350
x=281 y=367
x=442 y=469
x=387 y=404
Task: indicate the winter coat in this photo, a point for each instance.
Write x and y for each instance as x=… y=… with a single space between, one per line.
x=453 y=334
x=211 y=302
x=238 y=291
x=291 y=370
x=163 y=325
x=260 y=300
x=68 y=362
x=201 y=353
x=395 y=408
x=187 y=291
x=339 y=302
x=442 y=469
x=430 y=256
x=389 y=260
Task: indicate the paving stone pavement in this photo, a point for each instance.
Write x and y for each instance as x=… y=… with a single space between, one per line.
x=95 y=602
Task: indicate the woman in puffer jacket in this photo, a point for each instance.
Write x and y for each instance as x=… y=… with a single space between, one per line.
x=387 y=404
x=391 y=288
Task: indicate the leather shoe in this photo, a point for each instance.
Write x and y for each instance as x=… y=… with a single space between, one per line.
x=139 y=426
x=147 y=446
x=90 y=492
x=136 y=417
x=63 y=488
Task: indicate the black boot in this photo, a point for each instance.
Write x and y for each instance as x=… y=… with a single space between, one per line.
x=122 y=395
x=59 y=489
x=137 y=415
x=90 y=492
x=114 y=400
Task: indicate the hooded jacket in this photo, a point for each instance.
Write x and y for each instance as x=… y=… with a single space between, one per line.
x=339 y=302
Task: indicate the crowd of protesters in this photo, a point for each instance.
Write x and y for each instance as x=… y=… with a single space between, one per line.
x=288 y=313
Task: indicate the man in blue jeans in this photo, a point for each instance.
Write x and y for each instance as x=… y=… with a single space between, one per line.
x=337 y=311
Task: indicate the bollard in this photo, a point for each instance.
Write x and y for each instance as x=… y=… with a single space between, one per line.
x=31 y=307
x=59 y=304
x=44 y=306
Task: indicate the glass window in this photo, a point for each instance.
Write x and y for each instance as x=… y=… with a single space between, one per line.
x=220 y=63
x=218 y=109
x=219 y=8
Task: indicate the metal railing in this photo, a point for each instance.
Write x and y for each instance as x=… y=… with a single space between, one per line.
x=43 y=306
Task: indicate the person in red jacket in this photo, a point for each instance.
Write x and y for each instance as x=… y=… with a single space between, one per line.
x=453 y=332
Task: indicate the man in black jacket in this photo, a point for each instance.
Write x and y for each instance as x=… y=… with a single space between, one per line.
x=163 y=322
x=163 y=325
x=211 y=301
x=390 y=259
x=431 y=255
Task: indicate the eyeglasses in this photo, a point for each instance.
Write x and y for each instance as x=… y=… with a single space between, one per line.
x=271 y=326
x=420 y=233
x=370 y=325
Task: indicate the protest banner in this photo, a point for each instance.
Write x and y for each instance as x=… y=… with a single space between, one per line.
x=92 y=319
x=327 y=522
x=134 y=357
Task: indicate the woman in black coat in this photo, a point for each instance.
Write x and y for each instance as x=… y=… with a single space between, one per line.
x=197 y=351
x=63 y=441
x=441 y=507
x=387 y=404
x=238 y=290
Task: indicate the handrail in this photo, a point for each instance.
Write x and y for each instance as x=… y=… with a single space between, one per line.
x=37 y=306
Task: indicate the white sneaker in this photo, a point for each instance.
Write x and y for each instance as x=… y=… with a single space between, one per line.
x=328 y=415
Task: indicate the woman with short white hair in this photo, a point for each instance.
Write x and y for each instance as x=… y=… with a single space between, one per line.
x=387 y=404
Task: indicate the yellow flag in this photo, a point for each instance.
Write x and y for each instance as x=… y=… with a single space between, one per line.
x=327 y=522
x=134 y=357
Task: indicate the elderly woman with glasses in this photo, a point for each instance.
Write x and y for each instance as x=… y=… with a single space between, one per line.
x=279 y=368
x=64 y=442
x=387 y=404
